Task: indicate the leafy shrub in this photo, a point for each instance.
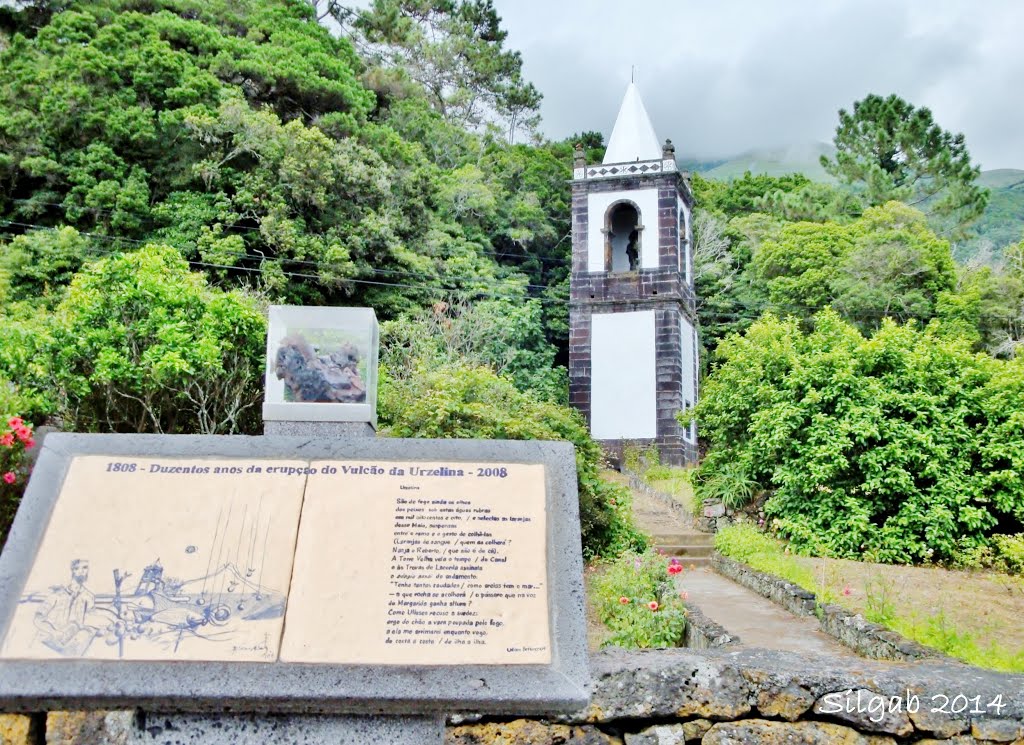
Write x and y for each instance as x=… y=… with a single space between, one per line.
x=141 y=344
x=726 y=480
x=25 y=357
x=1004 y=553
x=504 y=335
x=895 y=448
x=458 y=401
x=640 y=458
x=657 y=473
x=16 y=437
x=638 y=601
x=41 y=263
x=1009 y=553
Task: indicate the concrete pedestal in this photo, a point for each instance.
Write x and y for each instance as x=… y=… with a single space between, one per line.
x=325 y=430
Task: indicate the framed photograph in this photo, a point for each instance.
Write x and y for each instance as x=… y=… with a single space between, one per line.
x=321 y=364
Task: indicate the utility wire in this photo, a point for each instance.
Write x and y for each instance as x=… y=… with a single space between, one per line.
x=244 y=255
x=249 y=228
x=299 y=275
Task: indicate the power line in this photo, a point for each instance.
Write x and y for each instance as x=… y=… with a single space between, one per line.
x=299 y=275
x=243 y=254
x=240 y=226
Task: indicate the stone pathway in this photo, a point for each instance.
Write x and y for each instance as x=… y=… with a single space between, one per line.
x=757 y=621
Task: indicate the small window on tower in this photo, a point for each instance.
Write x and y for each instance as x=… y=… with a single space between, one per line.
x=622 y=231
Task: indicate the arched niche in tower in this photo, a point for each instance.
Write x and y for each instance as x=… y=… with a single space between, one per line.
x=623 y=231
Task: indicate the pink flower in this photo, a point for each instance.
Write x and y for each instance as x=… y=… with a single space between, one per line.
x=847 y=591
x=23 y=433
x=637 y=563
x=30 y=443
x=624 y=600
x=10 y=478
x=7 y=440
x=674 y=568
x=15 y=421
x=684 y=595
x=653 y=605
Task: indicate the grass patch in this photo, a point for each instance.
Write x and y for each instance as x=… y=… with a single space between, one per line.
x=926 y=604
x=674 y=481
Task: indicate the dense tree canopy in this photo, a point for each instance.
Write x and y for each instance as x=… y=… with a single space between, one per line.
x=903 y=447
x=454 y=50
x=891 y=150
x=170 y=166
x=245 y=136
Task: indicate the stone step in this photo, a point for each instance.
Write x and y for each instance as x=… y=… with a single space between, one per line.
x=684 y=539
x=684 y=552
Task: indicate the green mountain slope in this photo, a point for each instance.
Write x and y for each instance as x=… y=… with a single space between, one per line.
x=801 y=158
x=1002 y=178
x=1001 y=224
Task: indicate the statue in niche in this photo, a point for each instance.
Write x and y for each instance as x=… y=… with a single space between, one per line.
x=631 y=250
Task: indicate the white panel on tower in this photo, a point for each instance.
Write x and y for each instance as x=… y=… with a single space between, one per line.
x=623 y=392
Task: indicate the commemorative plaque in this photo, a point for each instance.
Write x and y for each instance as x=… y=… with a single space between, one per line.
x=327 y=577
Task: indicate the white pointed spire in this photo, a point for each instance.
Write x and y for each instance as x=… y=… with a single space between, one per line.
x=633 y=136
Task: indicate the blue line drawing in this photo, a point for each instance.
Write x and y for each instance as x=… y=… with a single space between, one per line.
x=162 y=610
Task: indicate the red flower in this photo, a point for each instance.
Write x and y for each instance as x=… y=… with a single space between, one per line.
x=653 y=605
x=15 y=421
x=847 y=591
x=30 y=443
x=675 y=568
x=624 y=600
x=23 y=433
x=7 y=440
x=9 y=477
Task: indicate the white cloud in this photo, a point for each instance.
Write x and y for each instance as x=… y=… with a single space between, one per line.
x=723 y=77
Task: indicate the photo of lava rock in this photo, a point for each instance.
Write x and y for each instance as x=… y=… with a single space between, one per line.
x=321 y=366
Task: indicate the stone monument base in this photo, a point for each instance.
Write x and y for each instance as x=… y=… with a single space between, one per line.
x=245 y=729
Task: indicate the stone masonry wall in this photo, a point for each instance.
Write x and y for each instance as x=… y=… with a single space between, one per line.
x=662 y=289
x=715 y=697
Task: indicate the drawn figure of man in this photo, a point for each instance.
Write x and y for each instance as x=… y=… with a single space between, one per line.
x=631 y=251
x=63 y=619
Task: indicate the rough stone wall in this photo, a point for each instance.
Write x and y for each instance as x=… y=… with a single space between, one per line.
x=703 y=633
x=717 y=697
x=663 y=697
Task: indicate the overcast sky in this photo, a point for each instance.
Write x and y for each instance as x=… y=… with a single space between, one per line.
x=721 y=77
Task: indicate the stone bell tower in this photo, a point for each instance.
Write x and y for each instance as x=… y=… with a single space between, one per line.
x=633 y=340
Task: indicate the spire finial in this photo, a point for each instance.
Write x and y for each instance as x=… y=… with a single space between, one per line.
x=579 y=157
